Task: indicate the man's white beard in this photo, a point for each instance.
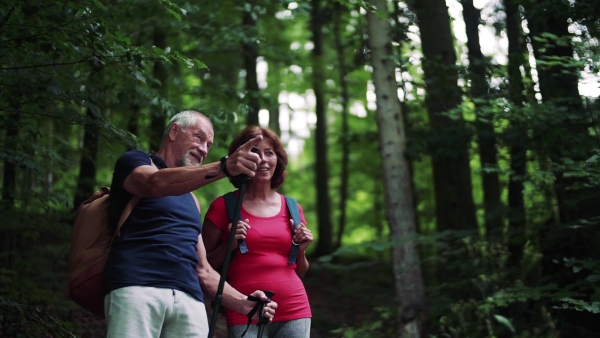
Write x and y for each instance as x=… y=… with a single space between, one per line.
x=186 y=160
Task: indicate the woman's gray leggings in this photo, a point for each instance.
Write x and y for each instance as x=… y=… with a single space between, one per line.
x=299 y=328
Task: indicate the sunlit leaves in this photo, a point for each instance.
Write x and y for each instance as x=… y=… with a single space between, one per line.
x=579 y=305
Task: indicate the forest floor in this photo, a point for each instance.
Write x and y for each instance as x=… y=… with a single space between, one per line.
x=346 y=299
x=354 y=298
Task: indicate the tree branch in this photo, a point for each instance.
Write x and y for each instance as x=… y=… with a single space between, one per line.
x=48 y=64
x=57 y=27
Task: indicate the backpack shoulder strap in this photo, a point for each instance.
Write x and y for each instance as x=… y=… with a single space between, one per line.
x=128 y=209
x=126 y=212
x=230 y=203
x=292 y=206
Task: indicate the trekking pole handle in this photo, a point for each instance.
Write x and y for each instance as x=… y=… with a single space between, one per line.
x=242 y=180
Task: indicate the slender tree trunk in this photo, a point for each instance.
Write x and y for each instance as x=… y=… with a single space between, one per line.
x=133 y=123
x=325 y=243
x=134 y=109
x=86 y=182
x=274 y=89
x=455 y=208
x=484 y=125
x=250 y=54
x=400 y=207
x=9 y=175
x=158 y=113
x=272 y=32
x=517 y=139
x=426 y=250
x=48 y=181
x=344 y=139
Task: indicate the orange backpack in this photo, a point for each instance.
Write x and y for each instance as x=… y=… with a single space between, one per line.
x=90 y=244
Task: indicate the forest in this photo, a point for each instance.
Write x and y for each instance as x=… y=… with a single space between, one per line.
x=446 y=153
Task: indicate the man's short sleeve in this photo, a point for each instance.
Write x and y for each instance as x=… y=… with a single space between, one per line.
x=127 y=163
x=118 y=196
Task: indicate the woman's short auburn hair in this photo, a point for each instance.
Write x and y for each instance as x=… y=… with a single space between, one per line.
x=251 y=132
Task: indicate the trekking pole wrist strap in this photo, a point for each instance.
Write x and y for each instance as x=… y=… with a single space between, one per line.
x=259 y=307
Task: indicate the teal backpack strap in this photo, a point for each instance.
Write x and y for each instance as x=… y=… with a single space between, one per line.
x=293 y=209
x=230 y=201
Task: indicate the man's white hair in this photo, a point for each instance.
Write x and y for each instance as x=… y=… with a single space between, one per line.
x=183 y=119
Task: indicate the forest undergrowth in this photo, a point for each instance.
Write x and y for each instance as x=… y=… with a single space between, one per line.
x=351 y=293
x=344 y=296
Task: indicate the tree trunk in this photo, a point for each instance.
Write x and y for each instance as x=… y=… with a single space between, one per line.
x=158 y=113
x=484 y=125
x=86 y=182
x=397 y=179
x=455 y=208
x=250 y=54
x=133 y=123
x=344 y=139
x=9 y=175
x=517 y=135
x=274 y=89
x=325 y=242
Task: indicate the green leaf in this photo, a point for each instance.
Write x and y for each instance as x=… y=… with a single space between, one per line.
x=140 y=76
x=504 y=321
x=200 y=64
x=123 y=39
x=100 y=5
x=593 y=278
x=175 y=14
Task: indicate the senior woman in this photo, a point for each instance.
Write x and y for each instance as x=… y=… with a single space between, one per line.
x=267 y=228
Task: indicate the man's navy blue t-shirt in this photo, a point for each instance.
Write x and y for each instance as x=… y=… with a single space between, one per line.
x=157 y=245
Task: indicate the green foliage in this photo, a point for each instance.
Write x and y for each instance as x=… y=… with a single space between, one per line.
x=33 y=300
x=360 y=289
x=579 y=305
x=58 y=60
x=377 y=324
x=503 y=305
x=20 y=320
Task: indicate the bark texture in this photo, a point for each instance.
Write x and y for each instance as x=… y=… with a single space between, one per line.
x=397 y=178
x=455 y=209
x=325 y=243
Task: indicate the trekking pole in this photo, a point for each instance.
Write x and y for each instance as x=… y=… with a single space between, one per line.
x=240 y=182
x=259 y=307
x=262 y=321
